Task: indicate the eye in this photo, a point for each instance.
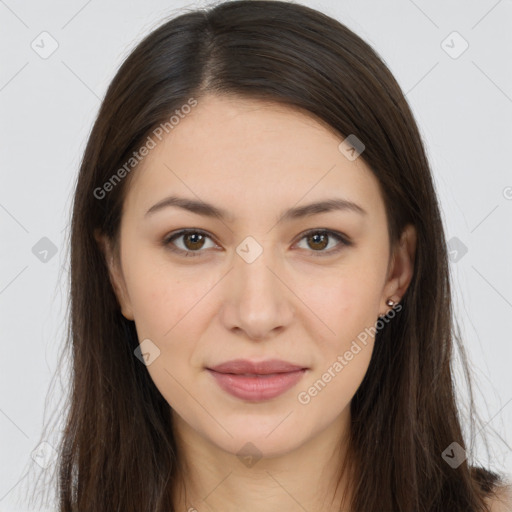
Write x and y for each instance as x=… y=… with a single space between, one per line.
x=193 y=240
x=319 y=240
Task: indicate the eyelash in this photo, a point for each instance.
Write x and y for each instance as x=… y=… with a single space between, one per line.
x=168 y=241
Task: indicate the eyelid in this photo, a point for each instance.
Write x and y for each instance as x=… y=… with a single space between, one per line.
x=343 y=240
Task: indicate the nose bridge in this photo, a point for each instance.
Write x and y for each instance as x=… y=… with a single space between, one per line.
x=253 y=267
x=256 y=283
x=259 y=302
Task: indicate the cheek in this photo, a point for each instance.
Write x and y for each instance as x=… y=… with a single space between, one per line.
x=344 y=351
x=330 y=389
x=348 y=308
x=166 y=309
x=346 y=300
x=172 y=308
x=162 y=296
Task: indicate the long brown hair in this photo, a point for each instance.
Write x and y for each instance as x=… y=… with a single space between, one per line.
x=117 y=451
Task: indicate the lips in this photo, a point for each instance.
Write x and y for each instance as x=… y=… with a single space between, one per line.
x=256 y=381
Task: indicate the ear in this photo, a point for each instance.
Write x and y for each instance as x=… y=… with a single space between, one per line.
x=401 y=268
x=117 y=281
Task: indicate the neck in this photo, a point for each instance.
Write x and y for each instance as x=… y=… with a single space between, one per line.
x=305 y=478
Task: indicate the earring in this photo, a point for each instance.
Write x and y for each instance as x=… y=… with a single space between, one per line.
x=390 y=303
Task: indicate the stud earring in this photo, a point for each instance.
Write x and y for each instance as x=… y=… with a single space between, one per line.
x=391 y=303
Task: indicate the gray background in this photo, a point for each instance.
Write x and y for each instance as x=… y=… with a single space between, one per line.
x=462 y=103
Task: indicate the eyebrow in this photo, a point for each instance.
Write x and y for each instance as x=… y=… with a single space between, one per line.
x=209 y=210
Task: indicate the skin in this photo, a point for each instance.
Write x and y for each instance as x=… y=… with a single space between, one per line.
x=256 y=159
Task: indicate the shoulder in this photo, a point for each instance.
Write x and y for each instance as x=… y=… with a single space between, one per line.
x=502 y=501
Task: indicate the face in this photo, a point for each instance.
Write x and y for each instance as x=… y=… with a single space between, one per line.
x=256 y=283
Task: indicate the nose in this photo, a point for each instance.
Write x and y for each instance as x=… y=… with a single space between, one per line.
x=257 y=300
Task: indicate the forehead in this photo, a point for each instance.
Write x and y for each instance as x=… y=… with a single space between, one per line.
x=250 y=153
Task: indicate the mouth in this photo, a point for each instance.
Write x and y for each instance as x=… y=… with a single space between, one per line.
x=256 y=382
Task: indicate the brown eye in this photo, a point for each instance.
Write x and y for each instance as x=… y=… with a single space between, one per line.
x=192 y=242
x=318 y=240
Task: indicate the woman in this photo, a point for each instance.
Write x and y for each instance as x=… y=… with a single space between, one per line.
x=260 y=296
